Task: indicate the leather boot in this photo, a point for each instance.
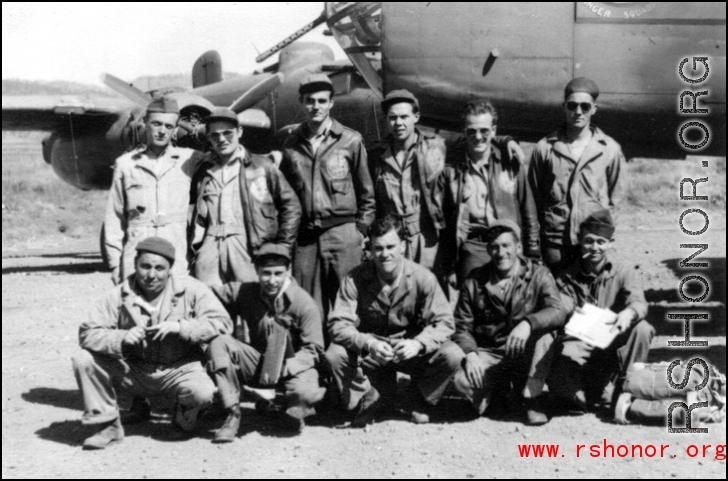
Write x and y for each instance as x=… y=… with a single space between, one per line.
x=535 y=413
x=229 y=431
x=139 y=412
x=110 y=434
x=369 y=406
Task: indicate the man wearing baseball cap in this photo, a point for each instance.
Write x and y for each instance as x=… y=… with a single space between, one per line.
x=407 y=168
x=150 y=193
x=243 y=202
x=582 y=374
x=574 y=172
x=326 y=163
x=277 y=348
x=505 y=320
x=146 y=338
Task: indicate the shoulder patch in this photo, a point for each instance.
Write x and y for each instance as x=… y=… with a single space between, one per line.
x=338 y=165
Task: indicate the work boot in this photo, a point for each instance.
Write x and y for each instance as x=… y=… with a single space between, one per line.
x=229 y=431
x=186 y=418
x=535 y=413
x=416 y=407
x=110 y=434
x=292 y=421
x=371 y=404
x=139 y=412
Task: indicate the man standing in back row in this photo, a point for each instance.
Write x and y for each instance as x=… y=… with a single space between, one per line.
x=326 y=164
x=150 y=193
x=574 y=172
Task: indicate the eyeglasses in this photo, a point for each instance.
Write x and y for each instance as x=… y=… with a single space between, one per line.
x=218 y=136
x=585 y=106
x=473 y=132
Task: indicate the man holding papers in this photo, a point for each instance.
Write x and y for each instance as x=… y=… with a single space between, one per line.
x=584 y=373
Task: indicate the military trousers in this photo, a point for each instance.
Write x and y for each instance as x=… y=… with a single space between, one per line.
x=99 y=377
x=525 y=374
x=356 y=375
x=580 y=367
x=223 y=260
x=323 y=259
x=232 y=363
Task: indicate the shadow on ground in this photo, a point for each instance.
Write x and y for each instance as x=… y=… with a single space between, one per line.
x=72 y=269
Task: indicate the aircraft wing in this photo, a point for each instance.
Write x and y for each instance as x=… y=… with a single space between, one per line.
x=60 y=113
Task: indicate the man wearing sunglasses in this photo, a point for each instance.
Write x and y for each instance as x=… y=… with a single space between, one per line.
x=243 y=202
x=484 y=183
x=574 y=172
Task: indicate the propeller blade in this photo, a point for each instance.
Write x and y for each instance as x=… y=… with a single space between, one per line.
x=126 y=90
x=257 y=93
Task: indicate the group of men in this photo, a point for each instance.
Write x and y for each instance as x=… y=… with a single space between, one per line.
x=281 y=303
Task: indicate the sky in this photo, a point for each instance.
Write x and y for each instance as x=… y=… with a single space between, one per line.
x=80 y=41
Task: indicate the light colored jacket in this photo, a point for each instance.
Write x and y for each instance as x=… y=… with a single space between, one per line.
x=186 y=300
x=149 y=198
x=567 y=191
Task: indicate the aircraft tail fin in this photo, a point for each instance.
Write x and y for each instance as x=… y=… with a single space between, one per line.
x=207 y=69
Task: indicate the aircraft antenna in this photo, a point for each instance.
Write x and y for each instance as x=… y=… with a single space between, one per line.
x=292 y=38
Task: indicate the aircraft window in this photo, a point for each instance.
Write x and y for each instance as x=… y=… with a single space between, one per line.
x=342 y=83
x=356 y=26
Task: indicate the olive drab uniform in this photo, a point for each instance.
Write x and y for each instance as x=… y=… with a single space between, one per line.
x=150 y=196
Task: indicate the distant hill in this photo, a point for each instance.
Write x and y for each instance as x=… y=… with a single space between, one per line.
x=15 y=87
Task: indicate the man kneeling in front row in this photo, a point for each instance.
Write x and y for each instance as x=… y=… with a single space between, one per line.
x=277 y=347
x=506 y=315
x=145 y=338
x=391 y=316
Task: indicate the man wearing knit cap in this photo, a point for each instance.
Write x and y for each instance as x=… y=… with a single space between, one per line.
x=583 y=374
x=243 y=202
x=277 y=347
x=150 y=193
x=407 y=170
x=146 y=338
x=574 y=172
x=326 y=164
x=505 y=320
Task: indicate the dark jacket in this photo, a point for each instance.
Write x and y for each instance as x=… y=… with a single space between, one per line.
x=297 y=312
x=431 y=152
x=334 y=185
x=512 y=199
x=275 y=218
x=616 y=288
x=187 y=301
x=418 y=309
x=481 y=321
x=568 y=191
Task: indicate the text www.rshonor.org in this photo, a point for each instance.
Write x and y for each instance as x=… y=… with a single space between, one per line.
x=607 y=450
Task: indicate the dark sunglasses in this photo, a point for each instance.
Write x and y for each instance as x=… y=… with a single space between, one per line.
x=585 y=106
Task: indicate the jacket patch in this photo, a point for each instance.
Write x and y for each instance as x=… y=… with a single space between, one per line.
x=259 y=191
x=507 y=182
x=337 y=166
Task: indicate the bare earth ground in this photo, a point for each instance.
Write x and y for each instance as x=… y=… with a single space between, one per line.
x=50 y=280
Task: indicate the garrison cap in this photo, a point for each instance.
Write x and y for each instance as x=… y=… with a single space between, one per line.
x=399 y=96
x=222 y=114
x=315 y=83
x=599 y=223
x=163 y=105
x=508 y=224
x=159 y=246
x=582 y=84
x=273 y=254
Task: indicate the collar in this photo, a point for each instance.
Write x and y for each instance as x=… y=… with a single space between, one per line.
x=525 y=270
x=369 y=272
x=560 y=135
x=608 y=271
x=130 y=288
x=334 y=128
x=143 y=149
x=283 y=294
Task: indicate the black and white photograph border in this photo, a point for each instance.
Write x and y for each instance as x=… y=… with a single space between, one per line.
x=76 y=76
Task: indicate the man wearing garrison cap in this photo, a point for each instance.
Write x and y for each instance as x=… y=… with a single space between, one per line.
x=574 y=172
x=243 y=202
x=277 y=346
x=150 y=193
x=145 y=337
x=582 y=374
x=326 y=164
x=505 y=320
